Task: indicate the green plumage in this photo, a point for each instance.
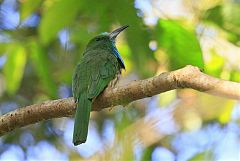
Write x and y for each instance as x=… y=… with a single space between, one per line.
x=100 y=64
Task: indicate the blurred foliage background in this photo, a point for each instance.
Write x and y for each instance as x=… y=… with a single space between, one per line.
x=41 y=42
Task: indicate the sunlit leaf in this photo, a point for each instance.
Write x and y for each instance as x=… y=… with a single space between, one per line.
x=14 y=67
x=41 y=65
x=27 y=7
x=204 y=156
x=180 y=43
x=226 y=16
x=220 y=107
x=59 y=15
x=231 y=13
x=215 y=65
x=235 y=76
x=166 y=98
x=226 y=114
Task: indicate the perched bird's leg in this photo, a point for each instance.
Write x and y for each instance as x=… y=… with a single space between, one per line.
x=112 y=85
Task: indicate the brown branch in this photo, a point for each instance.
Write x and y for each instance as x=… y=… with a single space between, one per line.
x=187 y=77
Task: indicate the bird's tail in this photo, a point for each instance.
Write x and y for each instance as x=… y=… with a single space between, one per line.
x=82 y=115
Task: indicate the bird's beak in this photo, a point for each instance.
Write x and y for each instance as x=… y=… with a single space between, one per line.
x=115 y=33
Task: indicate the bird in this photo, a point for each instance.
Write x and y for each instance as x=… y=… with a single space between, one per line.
x=100 y=67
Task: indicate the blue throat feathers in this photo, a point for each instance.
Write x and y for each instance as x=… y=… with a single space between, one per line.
x=117 y=54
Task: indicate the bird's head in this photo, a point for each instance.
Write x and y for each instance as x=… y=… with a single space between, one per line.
x=105 y=39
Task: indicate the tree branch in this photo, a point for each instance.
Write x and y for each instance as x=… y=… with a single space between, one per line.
x=187 y=77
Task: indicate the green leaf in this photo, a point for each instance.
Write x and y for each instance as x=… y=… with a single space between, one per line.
x=214 y=15
x=59 y=15
x=41 y=65
x=226 y=17
x=27 y=7
x=204 y=156
x=235 y=76
x=180 y=43
x=3 y=47
x=147 y=153
x=14 y=67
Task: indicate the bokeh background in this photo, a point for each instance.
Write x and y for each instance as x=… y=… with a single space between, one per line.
x=41 y=42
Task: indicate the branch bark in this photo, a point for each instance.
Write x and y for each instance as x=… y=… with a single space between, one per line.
x=187 y=77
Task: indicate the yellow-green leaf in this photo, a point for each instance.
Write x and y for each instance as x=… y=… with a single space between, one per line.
x=225 y=116
x=215 y=65
x=235 y=76
x=204 y=156
x=14 y=67
x=180 y=43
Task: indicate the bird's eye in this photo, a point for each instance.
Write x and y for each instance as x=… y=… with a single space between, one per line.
x=98 y=39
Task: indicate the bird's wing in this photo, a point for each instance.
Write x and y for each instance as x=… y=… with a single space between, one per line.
x=103 y=69
x=93 y=73
x=80 y=79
